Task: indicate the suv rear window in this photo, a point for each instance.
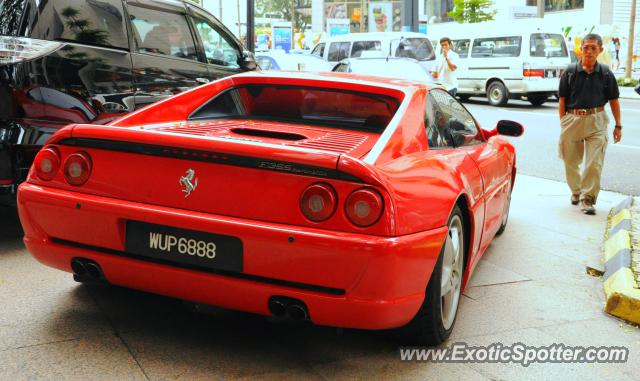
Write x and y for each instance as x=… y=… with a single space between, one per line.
x=548 y=45
x=100 y=23
x=307 y=105
x=10 y=14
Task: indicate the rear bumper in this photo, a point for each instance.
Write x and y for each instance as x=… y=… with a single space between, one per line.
x=538 y=85
x=379 y=282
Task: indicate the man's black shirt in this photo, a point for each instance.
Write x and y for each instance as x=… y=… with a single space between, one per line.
x=588 y=90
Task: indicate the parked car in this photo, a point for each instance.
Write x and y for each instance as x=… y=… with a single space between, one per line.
x=524 y=62
x=92 y=61
x=380 y=199
x=390 y=67
x=280 y=60
x=385 y=44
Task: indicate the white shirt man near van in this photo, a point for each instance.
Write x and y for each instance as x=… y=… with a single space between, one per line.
x=444 y=70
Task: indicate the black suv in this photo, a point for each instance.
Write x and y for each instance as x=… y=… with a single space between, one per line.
x=91 y=61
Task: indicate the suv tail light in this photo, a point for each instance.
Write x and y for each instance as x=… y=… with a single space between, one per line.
x=17 y=49
x=47 y=163
x=318 y=202
x=364 y=207
x=77 y=168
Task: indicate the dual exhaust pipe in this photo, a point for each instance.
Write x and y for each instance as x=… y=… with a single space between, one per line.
x=87 y=270
x=285 y=308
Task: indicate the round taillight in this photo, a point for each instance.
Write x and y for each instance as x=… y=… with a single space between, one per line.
x=318 y=202
x=77 y=168
x=364 y=207
x=47 y=163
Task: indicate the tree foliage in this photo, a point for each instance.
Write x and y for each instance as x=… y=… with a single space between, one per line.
x=283 y=9
x=472 y=11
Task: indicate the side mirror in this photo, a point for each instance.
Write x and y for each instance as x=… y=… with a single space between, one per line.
x=248 y=61
x=509 y=128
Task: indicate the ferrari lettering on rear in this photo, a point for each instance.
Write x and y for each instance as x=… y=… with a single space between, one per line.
x=168 y=243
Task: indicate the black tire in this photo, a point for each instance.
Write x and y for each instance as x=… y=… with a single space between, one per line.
x=497 y=94
x=537 y=100
x=427 y=327
x=464 y=97
x=505 y=211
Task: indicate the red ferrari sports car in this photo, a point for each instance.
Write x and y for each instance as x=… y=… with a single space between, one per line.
x=343 y=200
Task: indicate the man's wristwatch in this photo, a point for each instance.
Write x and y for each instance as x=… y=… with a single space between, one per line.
x=618 y=126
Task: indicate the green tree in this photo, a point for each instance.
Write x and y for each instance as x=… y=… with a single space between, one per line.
x=284 y=8
x=472 y=11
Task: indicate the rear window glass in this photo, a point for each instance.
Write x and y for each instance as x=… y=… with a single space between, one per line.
x=307 y=105
x=98 y=23
x=416 y=48
x=10 y=16
x=548 y=45
x=497 y=47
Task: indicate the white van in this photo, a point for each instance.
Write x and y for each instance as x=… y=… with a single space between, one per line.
x=395 y=44
x=507 y=65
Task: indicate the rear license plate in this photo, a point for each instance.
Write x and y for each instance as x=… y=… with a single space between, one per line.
x=182 y=246
x=551 y=73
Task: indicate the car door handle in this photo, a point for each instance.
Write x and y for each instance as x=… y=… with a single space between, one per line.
x=202 y=80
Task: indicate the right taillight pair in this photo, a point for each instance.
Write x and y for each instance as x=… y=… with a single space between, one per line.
x=77 y=166
x=363 y=206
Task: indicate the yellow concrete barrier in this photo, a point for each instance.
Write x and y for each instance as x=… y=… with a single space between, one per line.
x=620 y=287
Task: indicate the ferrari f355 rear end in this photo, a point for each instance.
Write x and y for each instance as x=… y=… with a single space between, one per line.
x=255 y=193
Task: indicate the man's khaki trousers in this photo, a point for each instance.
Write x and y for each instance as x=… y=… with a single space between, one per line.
x=584 y=138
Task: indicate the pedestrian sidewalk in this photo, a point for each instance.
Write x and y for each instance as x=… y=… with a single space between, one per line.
x=628 y=93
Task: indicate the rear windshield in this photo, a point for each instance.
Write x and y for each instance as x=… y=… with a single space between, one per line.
x=93 y=22
x=307 y=105
x=10 y=16
x=548 y=45
x=416 y=48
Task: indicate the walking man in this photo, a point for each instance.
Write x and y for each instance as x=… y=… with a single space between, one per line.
x=585 y=88
x=445 y=67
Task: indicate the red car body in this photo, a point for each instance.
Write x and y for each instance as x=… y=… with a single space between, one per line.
x=251 y=174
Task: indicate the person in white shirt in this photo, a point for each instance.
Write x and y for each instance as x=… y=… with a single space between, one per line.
x=444 y=70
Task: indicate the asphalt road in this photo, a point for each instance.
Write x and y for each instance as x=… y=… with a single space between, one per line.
x=537 y=149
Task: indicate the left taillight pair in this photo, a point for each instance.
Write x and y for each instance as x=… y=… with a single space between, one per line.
x=363 y=207
x=77 y=166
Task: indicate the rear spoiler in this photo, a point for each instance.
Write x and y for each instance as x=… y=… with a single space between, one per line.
x=274 y=157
